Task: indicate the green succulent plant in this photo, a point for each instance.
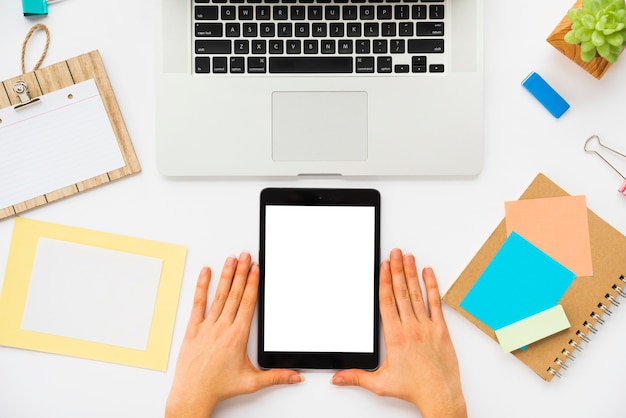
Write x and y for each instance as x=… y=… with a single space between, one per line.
x=599 y=26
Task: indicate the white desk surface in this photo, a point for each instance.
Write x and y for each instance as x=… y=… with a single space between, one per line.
x=442 y=221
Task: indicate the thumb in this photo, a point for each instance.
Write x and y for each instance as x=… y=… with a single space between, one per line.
x=279 y=377
x=353 y=377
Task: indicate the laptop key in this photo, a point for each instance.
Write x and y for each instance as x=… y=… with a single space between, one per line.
x=418 y=64
x=245 y=12
x=213 y=46
x=228 y=12
x=311 y=46
x=237 y=65
x=250 y=30
x=366 y=12
x=362 y=46
x=418 y=11
x=207 y=12
x=365 y=65
x=276 y=46
x=262 y=12
x=310 y=65
x=405 y=28
x=233 y=30
x=209 y=30
x=436 y=68
x=436 y=11
x=259 y=46
x=294 y=46
x=256 y=65
x=383 y=64
x=328 y=46
x=396 y=46
x=349 y=12
x=424 y=46
x=345 y=46
x=388 y=29
x=401 y=68
x=320 y=30
x=203 y=64
x=220 y=65
x=379 y=46
x=429 y=28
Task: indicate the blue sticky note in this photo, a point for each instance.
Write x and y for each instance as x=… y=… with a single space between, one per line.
x=35 y=7
x=545 y=94
x=520 y=281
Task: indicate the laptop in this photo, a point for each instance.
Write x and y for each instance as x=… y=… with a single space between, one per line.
x=320 y=87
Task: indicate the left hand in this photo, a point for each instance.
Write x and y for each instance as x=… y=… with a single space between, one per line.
x=213 y=364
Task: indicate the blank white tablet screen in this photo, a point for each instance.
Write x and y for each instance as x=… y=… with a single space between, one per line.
x=319 y=278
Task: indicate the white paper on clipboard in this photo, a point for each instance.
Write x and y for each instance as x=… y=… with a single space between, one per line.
x=63 y=139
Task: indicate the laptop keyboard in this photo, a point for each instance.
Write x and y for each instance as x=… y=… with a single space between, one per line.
x=319 y=36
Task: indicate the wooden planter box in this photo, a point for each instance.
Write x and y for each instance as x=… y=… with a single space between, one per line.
x=596 y=67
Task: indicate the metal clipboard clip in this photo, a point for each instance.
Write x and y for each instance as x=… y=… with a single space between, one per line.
x=595 y=138
x=21 y=89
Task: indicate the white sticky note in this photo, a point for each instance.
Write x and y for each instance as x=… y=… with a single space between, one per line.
x=533 y=328
x=64 y=138
x=93 y=294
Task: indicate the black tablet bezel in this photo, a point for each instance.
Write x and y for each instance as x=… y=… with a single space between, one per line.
x=319 y=197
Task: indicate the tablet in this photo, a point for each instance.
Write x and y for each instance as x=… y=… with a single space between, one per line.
x=319 y=268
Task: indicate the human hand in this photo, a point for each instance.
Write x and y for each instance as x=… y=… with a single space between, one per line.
x=421 y=365
x=213 y=364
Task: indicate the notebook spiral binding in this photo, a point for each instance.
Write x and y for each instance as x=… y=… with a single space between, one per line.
x=589 y=326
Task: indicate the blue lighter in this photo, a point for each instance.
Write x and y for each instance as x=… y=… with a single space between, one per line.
x=545 y=94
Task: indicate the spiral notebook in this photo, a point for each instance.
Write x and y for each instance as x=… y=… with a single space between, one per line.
x=585 y=302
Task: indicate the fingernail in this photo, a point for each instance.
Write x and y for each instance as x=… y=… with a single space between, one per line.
x=205 y=271
x=230 y=261
x=396 y=253
x=338 y=381
x=254 y=267
x=428 y=271
x=296 y=378
x=386 y=265
x=244 y=255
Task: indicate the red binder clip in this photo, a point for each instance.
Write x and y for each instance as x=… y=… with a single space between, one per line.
x=594 y=138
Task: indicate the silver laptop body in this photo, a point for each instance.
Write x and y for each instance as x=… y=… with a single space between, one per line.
x=301 y=91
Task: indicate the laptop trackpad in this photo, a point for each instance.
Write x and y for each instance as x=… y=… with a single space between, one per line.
x=319 y=126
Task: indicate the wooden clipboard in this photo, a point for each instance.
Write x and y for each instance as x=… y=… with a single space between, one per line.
x=60 y=75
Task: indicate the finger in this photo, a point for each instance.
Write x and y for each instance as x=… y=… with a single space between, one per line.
x=273 y=377
x=433 y=295
x=231 y=306
x=386 y=300
x=248 y=300
x=400 y=289
x=223 y=288
x=356 y=377
x=200 y=297
x=413 y=284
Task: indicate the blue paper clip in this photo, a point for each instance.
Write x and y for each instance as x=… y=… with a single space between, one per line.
x=35 y=7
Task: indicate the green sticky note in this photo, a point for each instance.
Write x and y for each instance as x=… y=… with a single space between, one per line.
x=533 y=328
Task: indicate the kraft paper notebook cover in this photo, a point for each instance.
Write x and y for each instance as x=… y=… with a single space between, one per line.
x=70 y=139
x=584 y=301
